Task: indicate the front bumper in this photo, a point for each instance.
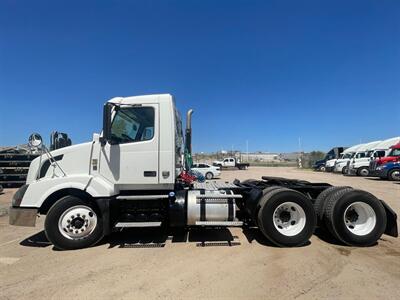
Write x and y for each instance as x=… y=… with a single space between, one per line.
x=329 y=169
x=22 y=216
x=379 y=173
x=351 y=171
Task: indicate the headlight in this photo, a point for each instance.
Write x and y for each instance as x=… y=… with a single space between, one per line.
x=379 y=168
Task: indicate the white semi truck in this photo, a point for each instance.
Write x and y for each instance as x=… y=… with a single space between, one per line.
x=341 y=163
x=136 y=173
x=359 y=163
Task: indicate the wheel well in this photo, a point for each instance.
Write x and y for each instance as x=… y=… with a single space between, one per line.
x=53 y=198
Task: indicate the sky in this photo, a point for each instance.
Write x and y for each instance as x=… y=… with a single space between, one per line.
x=266 y=72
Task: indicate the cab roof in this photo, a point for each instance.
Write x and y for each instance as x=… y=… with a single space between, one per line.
x=144 y=99
x=386 y=144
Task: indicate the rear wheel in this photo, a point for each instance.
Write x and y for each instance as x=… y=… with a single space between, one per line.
x=286 y=217
x=363 y=171
x=73 y=223
x=355 y=217
x=320 y=202
x=394 y=175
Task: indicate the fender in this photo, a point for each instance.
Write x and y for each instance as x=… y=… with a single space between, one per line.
x=40 y=190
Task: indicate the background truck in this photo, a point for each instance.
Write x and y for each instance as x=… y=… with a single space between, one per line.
x=391 y=155
x=327 y=164
x=137 y=174
x=359 y=164
x=390 y=171
x=231 y=162
x=341 y=162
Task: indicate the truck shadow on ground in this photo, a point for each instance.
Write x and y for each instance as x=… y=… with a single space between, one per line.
x=156 y=238
x=38 y=240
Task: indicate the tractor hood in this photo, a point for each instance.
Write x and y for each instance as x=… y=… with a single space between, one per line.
x=72 y=160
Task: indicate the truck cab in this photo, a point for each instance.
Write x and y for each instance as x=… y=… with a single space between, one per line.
x=327 y=164
x=341 y=163
x=392 y=156
x=359 y=164
x=384 y=152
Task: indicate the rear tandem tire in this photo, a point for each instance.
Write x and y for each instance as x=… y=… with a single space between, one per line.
x=320 y=202
x=286 y=217
x=355 y=217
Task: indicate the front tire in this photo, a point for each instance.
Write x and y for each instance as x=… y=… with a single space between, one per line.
x=322 y=169
x=209 y=175
x=363 y=171
x=344 y=170
x=394 y=175
x=286 y=217
x=73 y=223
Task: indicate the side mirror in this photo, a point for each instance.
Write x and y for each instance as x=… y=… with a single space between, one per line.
x=106 y=123
x=35 y=140
x=96 y=137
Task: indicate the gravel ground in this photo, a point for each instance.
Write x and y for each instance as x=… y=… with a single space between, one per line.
x=241 y=265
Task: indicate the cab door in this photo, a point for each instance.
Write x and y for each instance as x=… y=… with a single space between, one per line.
x=131 y=158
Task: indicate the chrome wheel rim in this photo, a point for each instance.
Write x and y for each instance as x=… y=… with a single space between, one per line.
x=77 y=222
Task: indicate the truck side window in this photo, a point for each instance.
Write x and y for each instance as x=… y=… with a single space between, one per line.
x=132 y=124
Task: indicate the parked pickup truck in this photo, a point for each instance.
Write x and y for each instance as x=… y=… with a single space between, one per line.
x=231 y=162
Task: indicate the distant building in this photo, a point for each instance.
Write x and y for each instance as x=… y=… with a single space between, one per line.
x=261 y=156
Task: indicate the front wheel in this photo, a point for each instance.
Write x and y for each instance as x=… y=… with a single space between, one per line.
x=394 y=175
x=73 y=223
x=344 y=170
x=363 y=171
x=209 y=175
x=286 y=217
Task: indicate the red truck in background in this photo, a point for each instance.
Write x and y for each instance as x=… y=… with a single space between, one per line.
x=392 y=156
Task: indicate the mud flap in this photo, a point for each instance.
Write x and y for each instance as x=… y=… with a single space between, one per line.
x=391 y=223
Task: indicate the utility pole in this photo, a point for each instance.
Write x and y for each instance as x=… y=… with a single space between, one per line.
x=247 y=150
x=300 y=154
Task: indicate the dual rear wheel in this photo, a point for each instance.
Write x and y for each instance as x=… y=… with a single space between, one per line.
x=354 y=217
x=288 y=218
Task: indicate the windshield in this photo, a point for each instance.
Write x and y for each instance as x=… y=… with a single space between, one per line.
x=395 y=152
x=347 y=155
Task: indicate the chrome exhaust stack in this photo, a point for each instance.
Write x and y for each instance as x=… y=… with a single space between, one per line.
x=188 y=136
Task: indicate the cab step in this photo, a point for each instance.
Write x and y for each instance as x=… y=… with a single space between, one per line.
x=137 y=224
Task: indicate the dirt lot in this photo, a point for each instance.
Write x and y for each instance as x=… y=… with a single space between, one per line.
x=179 y=267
